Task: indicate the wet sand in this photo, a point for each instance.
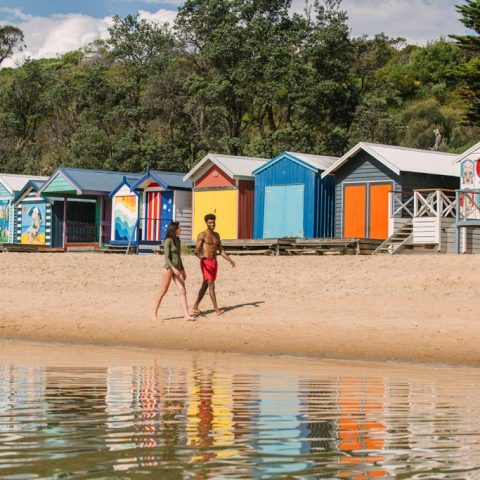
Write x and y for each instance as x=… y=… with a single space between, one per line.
x=401 y=308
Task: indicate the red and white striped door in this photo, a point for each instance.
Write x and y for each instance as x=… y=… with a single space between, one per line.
x=154 y=214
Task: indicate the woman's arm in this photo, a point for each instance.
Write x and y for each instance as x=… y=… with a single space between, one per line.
x=167 y=248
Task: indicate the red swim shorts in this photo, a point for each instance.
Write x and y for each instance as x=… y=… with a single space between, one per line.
x=209 y=267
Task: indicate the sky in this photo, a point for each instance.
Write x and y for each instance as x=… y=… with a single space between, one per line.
x=52 y=27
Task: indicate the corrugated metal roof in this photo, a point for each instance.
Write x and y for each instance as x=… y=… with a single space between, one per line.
x=14 y=183
x=96 y=180
x=321 y=162
x=234 y=166
x=173 y=179
x=401 y=159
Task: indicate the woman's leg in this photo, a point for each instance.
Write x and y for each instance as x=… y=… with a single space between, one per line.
x=166 y=279
x=180 y=283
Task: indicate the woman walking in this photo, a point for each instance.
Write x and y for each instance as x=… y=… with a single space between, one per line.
x=173 y=270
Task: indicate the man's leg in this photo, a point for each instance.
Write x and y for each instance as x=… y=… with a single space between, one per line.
x=201 y=294
x=213 y=297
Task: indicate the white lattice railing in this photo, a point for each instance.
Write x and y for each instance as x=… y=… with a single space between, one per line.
x=469 y=205
x=426 y=209
x=423 y=203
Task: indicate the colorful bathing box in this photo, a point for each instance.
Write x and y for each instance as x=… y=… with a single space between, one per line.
x=366 y=176
x=10 y=185
x=291 y=198
x=224 y=185
x=143 y=208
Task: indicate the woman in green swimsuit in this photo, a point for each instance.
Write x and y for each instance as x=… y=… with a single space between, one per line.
x=173 y=269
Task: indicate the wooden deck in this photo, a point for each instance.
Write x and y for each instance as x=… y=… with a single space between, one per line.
x=16 y=247
x=302 y=246
x=274 y=247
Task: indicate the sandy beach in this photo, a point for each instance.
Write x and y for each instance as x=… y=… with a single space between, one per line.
x=403 y=308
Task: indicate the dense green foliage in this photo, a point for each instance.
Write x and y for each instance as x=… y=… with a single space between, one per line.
x=469 y=71
x=233 y=76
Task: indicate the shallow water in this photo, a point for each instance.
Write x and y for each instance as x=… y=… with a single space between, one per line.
x=88 y=412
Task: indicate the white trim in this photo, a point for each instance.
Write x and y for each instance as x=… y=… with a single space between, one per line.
x=467 y=153
x=222 y=162
x=156 y=189
x=357 y=148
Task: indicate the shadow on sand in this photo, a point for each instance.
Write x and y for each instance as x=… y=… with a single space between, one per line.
x=225 y=309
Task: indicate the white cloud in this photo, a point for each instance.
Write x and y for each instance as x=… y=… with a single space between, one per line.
x=161 y=16
x=416 y=20
x=50 y=36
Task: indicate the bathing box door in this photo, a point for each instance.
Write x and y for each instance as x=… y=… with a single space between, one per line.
x=365 y=210
x=378 y=210
x=354 y=211
x=223 y=204
x=284 y=211
x=159 y=209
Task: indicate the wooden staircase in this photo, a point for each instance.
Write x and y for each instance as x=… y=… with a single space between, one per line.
x=396 y=242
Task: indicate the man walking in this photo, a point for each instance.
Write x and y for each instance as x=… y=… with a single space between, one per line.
x=206 y=248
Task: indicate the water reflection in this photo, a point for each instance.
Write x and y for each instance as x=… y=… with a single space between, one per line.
x=129 y=413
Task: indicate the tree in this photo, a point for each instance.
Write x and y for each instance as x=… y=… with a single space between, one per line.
x=470 y=72
x=376 y=122
x=238 y=51
x=371 y=54
x=11 y=39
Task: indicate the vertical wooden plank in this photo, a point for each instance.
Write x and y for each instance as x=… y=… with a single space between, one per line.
x=64 y=222
x=100 y=223
x=245 y=209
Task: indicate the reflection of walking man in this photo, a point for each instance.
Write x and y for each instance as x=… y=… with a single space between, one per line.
x=208 y=244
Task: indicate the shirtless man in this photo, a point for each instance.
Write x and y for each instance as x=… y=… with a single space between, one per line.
x=206 y=248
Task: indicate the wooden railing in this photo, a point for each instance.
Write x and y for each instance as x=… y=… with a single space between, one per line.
x=398 y=206
x=423 y=203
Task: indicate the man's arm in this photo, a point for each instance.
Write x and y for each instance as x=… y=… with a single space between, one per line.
x=223 y=253
x=199 y=245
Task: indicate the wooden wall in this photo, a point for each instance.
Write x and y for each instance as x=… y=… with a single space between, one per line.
x=183 y=212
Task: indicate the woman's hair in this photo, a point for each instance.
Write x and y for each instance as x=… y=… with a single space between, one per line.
x=172 y=230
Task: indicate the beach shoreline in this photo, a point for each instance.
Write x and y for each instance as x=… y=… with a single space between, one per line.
x=412 y=308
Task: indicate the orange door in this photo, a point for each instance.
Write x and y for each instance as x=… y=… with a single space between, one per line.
x=355 y=206
x=378 y=215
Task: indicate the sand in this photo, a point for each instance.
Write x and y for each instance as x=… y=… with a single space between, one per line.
x=401 y=308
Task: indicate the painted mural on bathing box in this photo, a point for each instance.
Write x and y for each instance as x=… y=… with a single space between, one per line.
x=470 y=180
x=4 y=215
x=125 y=213
x=33 y=224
